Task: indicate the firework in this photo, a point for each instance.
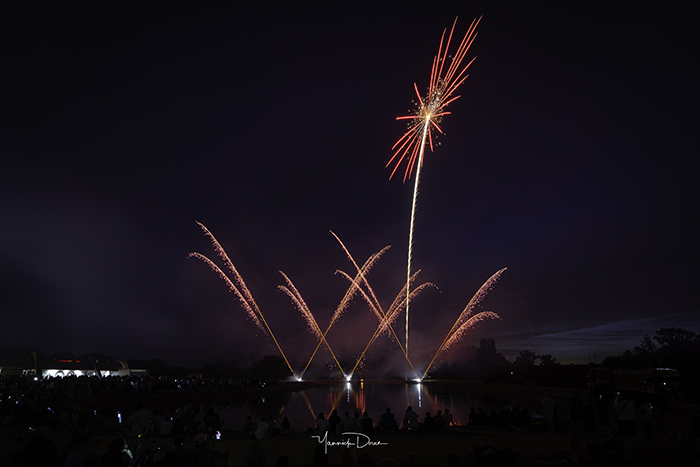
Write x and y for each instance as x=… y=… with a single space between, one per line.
x=390 y=316
x=466 y=320
x=373 y=303
x=427 y=117
x=246 y=298
x=358 y=285
x=304 y=309
x=342 y=307
x=430 y=109
x=468 y=324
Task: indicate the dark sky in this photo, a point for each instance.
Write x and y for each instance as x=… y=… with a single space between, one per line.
x=571 y=159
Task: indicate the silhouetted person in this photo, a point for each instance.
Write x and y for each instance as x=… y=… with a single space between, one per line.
x=263 y=429
x=388 y=420
x=347 y=423
x=322 y=425
x=447 y=419
x=410 y=420
x=473 y=417
x=286 y=428
x=358 y=423
x=439 y=424
x=212 y=420
x=333 y=422
x=428 y=423
x=40 y=450
x=367 y=424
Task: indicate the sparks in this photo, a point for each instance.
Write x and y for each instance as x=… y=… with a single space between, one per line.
x=246 y=297
x=430 y=109
x=467 y=319
x=296 y=297
x=427 y=117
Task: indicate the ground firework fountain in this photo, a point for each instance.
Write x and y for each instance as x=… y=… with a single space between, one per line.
x=358 y=285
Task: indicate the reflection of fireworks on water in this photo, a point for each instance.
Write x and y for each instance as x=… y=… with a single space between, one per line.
x=427 y=117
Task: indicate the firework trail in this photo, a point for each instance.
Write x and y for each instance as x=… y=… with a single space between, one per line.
x=301 y=305
x=391 y=315
x=466 y=319
x=478 y=297
x=355 y=286
x=468 y=324
x=232 y=288
x=246 y=298
x=239 y=279
x=362 y=275
x=342 y=307
x=427 y=117
x=374 y=304
x=304 y=309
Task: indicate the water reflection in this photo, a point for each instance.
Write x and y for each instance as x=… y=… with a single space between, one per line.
x=302 y=407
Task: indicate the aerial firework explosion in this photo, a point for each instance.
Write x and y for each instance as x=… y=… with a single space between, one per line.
x=426 y=118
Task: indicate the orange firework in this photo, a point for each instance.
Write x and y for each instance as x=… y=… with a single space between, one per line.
x=296 y=297
x=431 y=108
x=468 y=319
x=426 y=118
x=246 y=298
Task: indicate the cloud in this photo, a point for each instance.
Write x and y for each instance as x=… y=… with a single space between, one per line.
x=601 y=341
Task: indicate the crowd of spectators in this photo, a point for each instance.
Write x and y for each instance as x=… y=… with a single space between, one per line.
x=32 y=408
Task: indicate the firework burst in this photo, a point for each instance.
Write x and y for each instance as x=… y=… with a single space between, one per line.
x=430 y=108
x=427 y=117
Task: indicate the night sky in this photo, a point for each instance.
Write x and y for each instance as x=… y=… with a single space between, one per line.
x=571 y=159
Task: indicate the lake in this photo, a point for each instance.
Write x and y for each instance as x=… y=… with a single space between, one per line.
x=302 y=407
